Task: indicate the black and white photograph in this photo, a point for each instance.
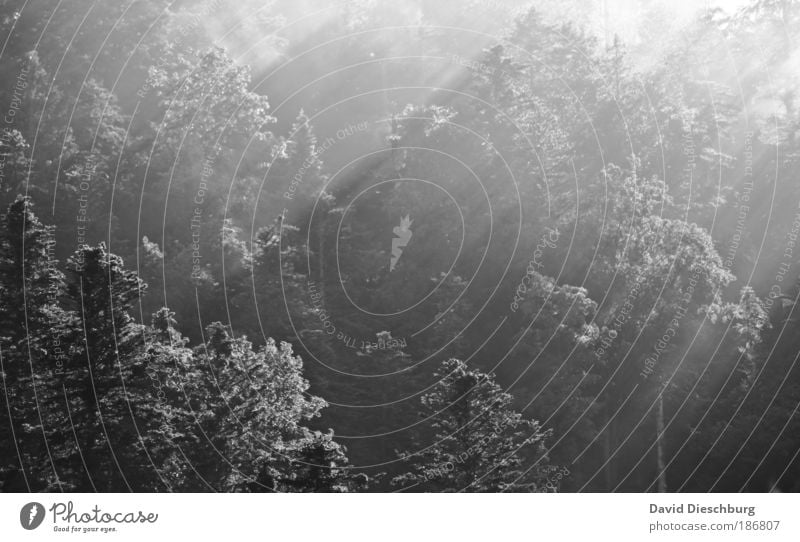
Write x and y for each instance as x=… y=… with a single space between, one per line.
x=407 y=249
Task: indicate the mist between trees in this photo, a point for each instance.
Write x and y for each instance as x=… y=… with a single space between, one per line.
x=398 y=246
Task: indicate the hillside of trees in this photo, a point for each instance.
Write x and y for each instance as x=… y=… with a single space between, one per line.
x=398 y=246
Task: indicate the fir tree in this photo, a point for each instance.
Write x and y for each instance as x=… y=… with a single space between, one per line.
x=32 y=346
x=480 y=443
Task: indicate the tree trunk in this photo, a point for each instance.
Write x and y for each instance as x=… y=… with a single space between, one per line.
x=662 y=474
x=609 y=461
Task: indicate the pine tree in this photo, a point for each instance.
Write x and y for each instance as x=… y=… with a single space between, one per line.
x=249 y=405
x=480 y=443
x=122 y=431
x=32 y=346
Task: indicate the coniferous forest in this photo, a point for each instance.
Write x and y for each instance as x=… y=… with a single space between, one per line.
x=407 y=245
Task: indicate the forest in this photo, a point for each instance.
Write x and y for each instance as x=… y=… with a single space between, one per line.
x=399 y=246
